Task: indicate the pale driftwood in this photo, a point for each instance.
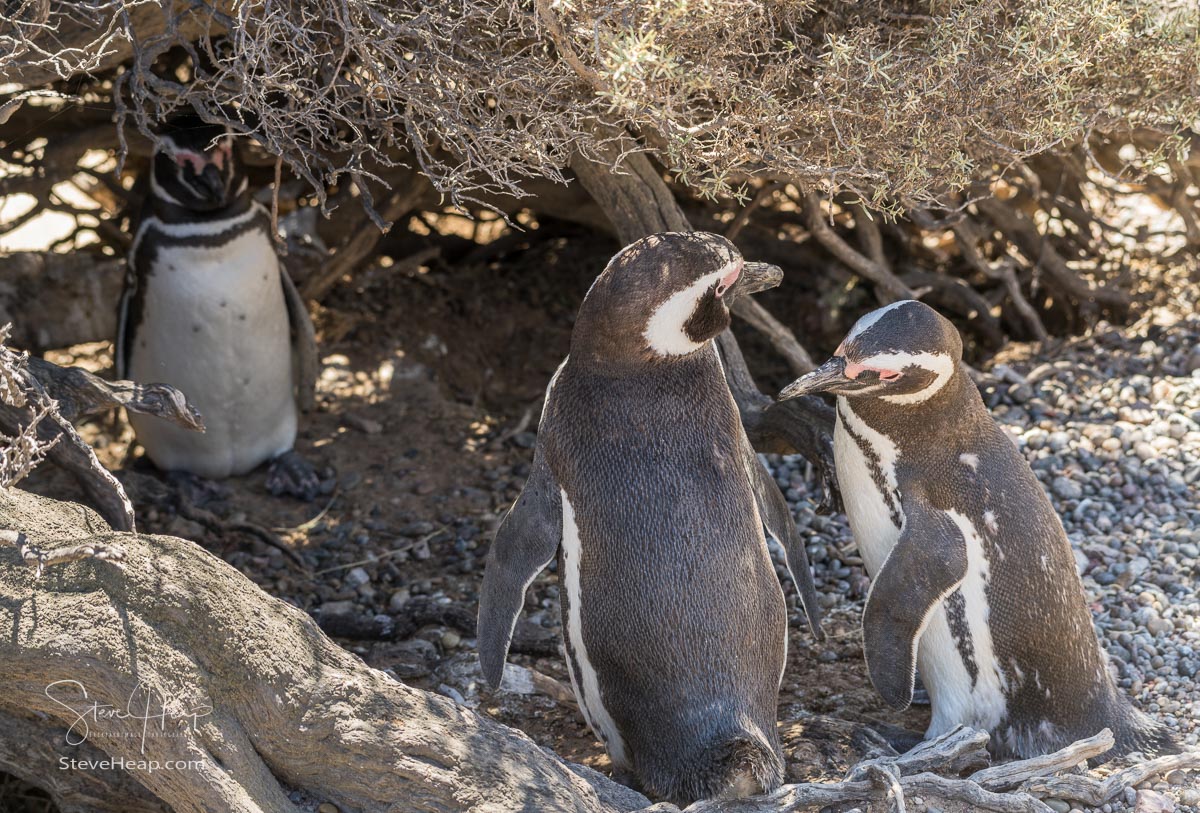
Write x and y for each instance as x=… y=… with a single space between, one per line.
x=958 y=750
x=30 y=750
x=1092 y=791
x=1013 y=774
x=255 y=690
x=40 y=559
x=59 y=300
x=78 y=394
x=936 y=791
x=67 y=393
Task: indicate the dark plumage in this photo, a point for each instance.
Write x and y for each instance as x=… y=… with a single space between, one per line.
x=966 y=553
x=674 y=622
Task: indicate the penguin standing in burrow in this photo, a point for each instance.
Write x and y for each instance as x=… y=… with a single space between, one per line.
x=973 y=578
x=645 y=485
x=209 y=309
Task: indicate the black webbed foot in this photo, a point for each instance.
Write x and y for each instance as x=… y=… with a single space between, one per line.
x=292 y=474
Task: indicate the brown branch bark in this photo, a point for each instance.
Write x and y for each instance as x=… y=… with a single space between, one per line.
x=256 y=698
x=364 y=235
x=888 y=283
x=1024 y=235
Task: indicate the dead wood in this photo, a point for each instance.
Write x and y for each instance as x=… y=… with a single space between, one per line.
x=59 y=300
x=30 y=750
x=52 y=396
x=1087 y=296
x=891 y=288
x=78 y=394
x=1013 y=774
x=528 y=638
x=250 y=691
x=364 y=235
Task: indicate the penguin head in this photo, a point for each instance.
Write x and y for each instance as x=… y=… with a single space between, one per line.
x=665 y=296
x=903 y=353
x=197 y=166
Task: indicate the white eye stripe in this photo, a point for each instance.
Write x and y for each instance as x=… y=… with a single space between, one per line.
x=665 y=331
x=940 y=364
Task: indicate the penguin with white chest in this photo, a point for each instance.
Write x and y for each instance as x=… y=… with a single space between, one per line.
x=973 y=578
x=645 y=486
x=209 y=309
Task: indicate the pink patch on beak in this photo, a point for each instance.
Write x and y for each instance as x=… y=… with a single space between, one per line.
x=853 y=371
x=197 y=160
x=727 y=281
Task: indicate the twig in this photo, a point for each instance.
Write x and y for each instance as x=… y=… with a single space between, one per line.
x=37 y=558
x=1005 y=777
x=386 y=555
x=888 y=283
x=309 y=524
x=967 y=237
x=743 y=216
x=217 y=525
x=1092 y=791
x=1024 y=234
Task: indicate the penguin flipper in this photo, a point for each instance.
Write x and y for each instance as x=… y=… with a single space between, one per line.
x=777 y=517
x=927 y=564
x=304 y=343
x=121 y=348
x=527 y=541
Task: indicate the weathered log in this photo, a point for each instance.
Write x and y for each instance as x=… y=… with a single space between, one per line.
x=250 y=692
x=65 y=393
x=78 y=394
x=59 y=300
x=30 y=749
x=1013 y=774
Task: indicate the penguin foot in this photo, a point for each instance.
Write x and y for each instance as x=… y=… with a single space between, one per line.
x=195 y=489
x=292 y=474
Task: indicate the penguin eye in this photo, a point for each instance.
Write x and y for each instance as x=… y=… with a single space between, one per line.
x=721 y=288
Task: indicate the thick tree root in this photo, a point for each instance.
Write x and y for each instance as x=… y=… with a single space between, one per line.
x=190 y=662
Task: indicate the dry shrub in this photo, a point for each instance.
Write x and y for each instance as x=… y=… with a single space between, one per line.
x=903 y=100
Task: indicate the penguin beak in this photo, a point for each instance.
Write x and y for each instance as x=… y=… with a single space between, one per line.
x=212 y=183
x=755 y=277
x=829 y=377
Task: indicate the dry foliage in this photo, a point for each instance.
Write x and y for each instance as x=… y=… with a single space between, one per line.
x=20 y=453
x=897 y=100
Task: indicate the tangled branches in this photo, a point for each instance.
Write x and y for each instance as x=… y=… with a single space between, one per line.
x=484 y=93
x=986 y=122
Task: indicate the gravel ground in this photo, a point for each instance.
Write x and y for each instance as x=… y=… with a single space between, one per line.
x=1111 y=426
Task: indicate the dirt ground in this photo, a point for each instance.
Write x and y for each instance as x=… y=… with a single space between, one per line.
x=431 y=383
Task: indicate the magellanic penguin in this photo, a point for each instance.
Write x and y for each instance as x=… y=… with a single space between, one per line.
x=973 y=578
x=645 y=486
x=209 y=309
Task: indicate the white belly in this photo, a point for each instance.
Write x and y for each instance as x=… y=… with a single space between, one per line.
x=215 y=325
x=955 y=698
x=586 y=684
